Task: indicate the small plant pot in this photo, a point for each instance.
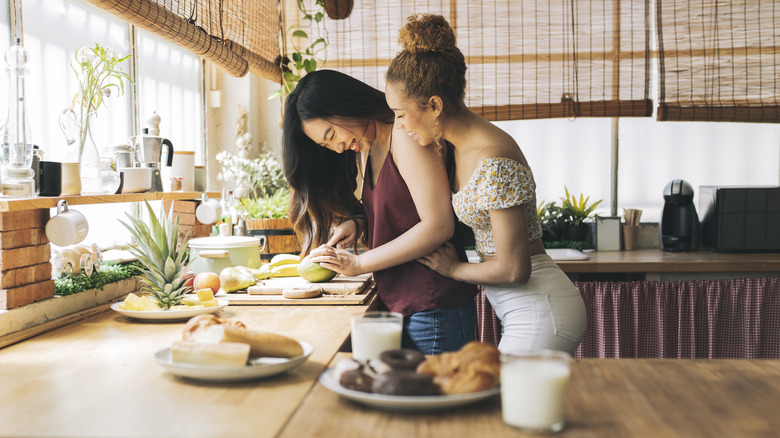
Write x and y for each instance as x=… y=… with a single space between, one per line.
x=578 y=233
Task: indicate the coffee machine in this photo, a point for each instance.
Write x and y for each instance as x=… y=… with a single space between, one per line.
x=148 y=151
x=679 y=228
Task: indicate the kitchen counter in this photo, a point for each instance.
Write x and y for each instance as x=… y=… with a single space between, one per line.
x=98 y=378
x=655 y=260
x=606 y=398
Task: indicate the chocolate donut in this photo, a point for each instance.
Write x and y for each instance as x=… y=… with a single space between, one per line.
x=404 y=383
x=356 y=380
x=402 y=359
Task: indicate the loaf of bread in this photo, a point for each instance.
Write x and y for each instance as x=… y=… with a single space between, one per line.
x=227 y=354
x=211 y=329
x=475 y=367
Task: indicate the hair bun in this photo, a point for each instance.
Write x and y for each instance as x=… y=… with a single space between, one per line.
x=427 y=33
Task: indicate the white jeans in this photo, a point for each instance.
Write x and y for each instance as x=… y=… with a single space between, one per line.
x=545 y=313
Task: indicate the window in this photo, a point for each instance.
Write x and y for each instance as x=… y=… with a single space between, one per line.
x=168 y=82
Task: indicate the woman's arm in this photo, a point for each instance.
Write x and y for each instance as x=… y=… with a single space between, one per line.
x=510 y=265
x=425 y=175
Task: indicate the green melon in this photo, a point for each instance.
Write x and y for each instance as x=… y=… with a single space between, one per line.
x=313 y=272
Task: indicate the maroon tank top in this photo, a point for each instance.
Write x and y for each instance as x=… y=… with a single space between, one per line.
x=411 y=287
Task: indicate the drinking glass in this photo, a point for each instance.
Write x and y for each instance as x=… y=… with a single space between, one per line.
x=533 y=389
x=374 y=332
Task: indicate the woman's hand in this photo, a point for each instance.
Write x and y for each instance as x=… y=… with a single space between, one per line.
x=443 y=260
x=339 y=260
x=344 y=235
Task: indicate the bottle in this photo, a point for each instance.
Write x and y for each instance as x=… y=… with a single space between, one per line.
x=17 y=148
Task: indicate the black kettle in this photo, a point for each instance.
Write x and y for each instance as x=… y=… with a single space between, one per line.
x=679 y=227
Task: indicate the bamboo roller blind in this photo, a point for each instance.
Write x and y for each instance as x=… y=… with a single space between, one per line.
x=719 y=60
x=239 y=36
x=526 y=58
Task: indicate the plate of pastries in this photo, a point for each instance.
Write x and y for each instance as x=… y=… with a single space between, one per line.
x=220 y=350
x=405 y=380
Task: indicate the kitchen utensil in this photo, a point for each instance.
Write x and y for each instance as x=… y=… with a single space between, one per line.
x=71 y=179
x=148 y=149
x=215 y=253
x=136 y=179
x=209 y=210
x=68 y=227
x=183 y=166
x=50 y=178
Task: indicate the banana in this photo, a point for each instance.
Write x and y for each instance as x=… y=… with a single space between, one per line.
x=285 y=259
x=285 y=271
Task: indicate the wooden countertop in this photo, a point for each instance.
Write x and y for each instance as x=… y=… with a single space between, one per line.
x=98 y=377
x=606 y=398
x=655 y=260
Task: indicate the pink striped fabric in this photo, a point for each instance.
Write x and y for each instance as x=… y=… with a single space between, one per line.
x=735 y=318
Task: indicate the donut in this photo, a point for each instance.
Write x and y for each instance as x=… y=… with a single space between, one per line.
x=356 y=380
x=404 y=383
x=402 y=359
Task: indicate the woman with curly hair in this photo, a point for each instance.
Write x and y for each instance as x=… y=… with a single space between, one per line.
x=493 y=192
x=351 y=175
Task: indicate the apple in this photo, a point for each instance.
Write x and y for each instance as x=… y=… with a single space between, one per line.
x=189 y=278
x=206 y=280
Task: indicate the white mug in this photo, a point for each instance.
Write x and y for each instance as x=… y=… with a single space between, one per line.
x=71 y=179
x=209 y=210
x=68 y=227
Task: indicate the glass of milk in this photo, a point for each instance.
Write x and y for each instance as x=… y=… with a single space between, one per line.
x=374 y=332
x=533 y=389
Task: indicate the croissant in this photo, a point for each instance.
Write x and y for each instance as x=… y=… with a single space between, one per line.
x=475 y=367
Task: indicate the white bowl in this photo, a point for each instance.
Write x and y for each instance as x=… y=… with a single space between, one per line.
x=136 y=179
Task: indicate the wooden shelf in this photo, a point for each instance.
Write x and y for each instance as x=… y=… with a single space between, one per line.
x=20 y=204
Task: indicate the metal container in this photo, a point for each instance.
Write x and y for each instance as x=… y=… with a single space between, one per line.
x=215 y=253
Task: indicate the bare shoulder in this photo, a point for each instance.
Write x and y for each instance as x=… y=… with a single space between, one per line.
x=498 y=144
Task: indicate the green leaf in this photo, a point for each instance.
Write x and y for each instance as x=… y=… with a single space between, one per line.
x=300 y=34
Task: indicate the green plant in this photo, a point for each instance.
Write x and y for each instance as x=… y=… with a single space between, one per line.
x=271 y=207
x=163 y=256
x=97 y=70
x=304 y=59
x=575 y=210
x=553 y=221
x=263 y=175
x=71 y=284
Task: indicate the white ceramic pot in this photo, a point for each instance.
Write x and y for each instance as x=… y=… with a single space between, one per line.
x=215 y=253
x=136 y=179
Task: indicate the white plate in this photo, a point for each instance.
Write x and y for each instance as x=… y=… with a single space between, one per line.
x=170 y=315
x=403 y=403
x=257 y=368
x=566 y=254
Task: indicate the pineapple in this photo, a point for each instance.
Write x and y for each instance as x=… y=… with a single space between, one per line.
x=162 y=255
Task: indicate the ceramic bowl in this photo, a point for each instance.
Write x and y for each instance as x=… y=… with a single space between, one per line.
x=136 y=179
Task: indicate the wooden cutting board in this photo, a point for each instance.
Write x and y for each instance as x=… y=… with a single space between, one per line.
x=341 y=290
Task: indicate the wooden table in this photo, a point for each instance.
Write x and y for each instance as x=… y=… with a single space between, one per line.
x=98 y=378
x=606 y=398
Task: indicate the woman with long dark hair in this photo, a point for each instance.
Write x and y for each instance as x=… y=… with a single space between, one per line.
x=352 y=175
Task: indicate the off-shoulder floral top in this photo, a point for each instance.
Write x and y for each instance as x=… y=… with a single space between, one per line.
x=497 y=183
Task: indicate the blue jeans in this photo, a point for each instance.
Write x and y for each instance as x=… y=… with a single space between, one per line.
x=436 y=331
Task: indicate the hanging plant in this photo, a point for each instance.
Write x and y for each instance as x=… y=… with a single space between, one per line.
x=303 y=59
x=338 y=9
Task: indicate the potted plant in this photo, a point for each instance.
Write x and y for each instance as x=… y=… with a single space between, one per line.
x=565 y=226
x=575 y=211
x=98 y=73
x=265 y=203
